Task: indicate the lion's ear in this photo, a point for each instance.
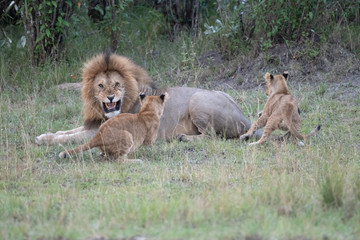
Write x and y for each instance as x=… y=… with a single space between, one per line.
x=164 y=96
x=286 y=74
x=142 y=96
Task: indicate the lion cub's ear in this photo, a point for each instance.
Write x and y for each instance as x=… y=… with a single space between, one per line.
x=286 y=74
x=268 y=76
x=142 y=96
x=164 y=96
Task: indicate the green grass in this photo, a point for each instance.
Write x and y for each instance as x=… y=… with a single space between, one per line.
x=210 y=189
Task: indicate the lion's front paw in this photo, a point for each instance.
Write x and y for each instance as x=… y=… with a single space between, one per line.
x=245 y=137
x=46 y=138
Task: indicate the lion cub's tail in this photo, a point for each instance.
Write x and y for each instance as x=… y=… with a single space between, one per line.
x=306 y=137
x=78 y=149
x=313 y=132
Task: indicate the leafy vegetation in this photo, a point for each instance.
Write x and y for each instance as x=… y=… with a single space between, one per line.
x=210 y=189
x=263 y=24
x=45 y=24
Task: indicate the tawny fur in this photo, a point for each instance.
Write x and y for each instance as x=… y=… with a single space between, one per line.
x=280 y=111
x=125 y=132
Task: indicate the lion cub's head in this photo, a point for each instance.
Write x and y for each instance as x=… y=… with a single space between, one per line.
x=276 y=84
x=153 y=104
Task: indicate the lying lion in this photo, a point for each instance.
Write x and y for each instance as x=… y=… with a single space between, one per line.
x=125 y=132
x=280 y=111
x=111 y=85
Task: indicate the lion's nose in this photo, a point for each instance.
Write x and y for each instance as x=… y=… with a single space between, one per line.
x=111 y=97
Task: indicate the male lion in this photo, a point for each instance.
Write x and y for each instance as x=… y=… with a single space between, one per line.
x=280 y=111
x=112 y=83
x=122 y=134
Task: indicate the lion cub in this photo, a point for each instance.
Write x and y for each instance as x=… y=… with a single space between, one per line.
x=123 y=133
x=280 y=111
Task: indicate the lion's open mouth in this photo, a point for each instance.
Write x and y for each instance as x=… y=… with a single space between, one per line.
x=111 y=107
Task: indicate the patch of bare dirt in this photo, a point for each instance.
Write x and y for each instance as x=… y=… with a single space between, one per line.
x=210 y=59
x=332 y=63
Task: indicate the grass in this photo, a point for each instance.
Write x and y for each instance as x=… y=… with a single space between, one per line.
x=210 y=189
x=217 y=189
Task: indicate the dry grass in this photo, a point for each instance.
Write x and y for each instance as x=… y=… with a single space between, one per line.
x=218 y=189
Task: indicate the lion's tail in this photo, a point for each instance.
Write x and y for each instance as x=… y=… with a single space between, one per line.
x=78 y=149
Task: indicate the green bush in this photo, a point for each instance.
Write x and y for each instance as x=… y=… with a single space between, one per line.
x=265 y=23
x=46 y=23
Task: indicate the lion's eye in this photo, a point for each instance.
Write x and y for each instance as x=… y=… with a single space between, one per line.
x=117 y=84
x=101 y=86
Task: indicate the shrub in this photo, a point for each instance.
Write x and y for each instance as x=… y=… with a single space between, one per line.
x=45 y=24
x=265 y=23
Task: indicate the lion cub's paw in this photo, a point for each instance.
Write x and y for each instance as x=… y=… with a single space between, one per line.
x=253 y=143
x=301 y=144
x=62 y=155
x=245 y=137
x=133 y=161
x=182 y=138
